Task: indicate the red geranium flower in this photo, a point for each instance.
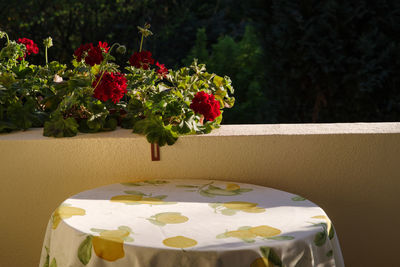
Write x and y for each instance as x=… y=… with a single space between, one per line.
x=95 y=56
x=94 y=53
x=206 y=105
x=111 y=86
x=141 y=60
x=162 y=71
x=79 y=51
x=104 y=46
x=31 y=47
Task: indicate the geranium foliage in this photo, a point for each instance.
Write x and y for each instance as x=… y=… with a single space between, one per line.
x=97 y=95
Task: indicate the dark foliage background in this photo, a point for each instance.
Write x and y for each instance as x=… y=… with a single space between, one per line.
x=289 y=60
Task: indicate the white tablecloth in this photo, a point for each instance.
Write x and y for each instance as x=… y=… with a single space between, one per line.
x=189 y=223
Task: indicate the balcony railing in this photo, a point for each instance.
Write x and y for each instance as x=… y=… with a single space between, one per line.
x=350 y=170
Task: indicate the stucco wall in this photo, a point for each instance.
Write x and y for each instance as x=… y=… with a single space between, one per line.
x=351 y=170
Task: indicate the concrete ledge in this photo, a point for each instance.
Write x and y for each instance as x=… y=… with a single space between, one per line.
x=350 y=170
x=238 y=130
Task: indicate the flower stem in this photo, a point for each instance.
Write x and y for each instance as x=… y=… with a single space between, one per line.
x=102 y=63
x=45 y=54
x=141 y=43
x=98 y=82
x=8 y=39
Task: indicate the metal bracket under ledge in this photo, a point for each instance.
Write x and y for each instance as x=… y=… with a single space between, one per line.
x=155 y=152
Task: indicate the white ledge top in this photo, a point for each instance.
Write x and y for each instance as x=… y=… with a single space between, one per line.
x=236 y=130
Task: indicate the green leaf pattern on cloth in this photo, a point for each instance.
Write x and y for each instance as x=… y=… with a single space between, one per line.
x=134 y=197
x=298 y=198
x=210 y=190
x=85 y=250
x=108 y=243
x=146 y=182
x=53 y=263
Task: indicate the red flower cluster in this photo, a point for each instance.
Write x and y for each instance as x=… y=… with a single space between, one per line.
x=31 y=47
x=162 y=71
x=206 y=105
x=94 y=53
x=104 y=46
x=111 y=86
x=141 y=60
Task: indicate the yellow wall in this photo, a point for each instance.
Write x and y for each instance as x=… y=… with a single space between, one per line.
x=351 y=170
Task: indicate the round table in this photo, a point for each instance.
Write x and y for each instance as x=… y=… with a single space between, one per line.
x=162 y=223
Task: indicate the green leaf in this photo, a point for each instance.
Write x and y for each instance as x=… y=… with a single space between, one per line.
x=331 y=232
x=125 y=228
x=320 y=238
x=6 y=127
x=298 y=198
x=206 y=194
x=39 y=118
x=329 y=253
x=129 y=120
x=274 y=258
x=155 y=182
x=133 y=192
x=221 y=192
x=21 y=114
x=271 y=255
x=131 y=184
x=53 y=263
x=60 y=127
x=111 y=124
x=156 y=131
x=248 y=240
x=218 y=81
x=265 y=251
x=161 y=197
x=47 y=262
x=188 y=186
x=244 y=190
x=228 y=212
x=85 y=250
x=213 y=187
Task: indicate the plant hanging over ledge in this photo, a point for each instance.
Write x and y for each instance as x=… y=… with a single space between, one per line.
x=95 y=95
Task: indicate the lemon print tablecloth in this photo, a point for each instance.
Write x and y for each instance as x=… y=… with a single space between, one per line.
x=205 y=223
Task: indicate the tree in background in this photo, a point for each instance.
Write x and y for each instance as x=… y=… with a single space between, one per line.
x=289 y=60
x=333 y=61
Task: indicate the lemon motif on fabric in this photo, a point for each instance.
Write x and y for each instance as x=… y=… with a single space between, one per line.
x=231 y=208
x=210 y=190
x=269 y=258
x=249 y=234
x=137 y=197
x=179 y=242
x=232 y=187
x=108 y=245
x=65 y=212
x=164 y=218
